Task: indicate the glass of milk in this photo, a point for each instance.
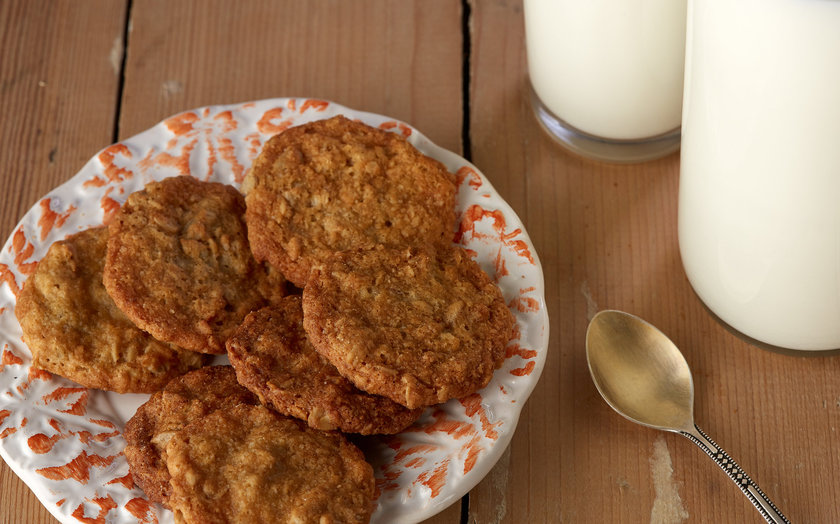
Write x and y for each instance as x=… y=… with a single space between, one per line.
x=759 y=196
x=607 y=75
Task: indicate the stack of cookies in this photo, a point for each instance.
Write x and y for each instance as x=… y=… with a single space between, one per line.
x=384 y=317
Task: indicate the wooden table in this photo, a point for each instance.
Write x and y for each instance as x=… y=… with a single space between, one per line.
x=77 y=76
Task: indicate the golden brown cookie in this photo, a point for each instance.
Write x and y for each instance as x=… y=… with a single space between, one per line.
x=75 y=330
x=250 y=465
x=179 y=264
x=337 y=184
x=274 y=359
x=417 y=326
x=184 y=400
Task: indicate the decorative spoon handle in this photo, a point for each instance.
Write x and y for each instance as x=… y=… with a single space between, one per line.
x=749 y=488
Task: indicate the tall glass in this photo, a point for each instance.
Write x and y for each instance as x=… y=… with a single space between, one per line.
x=607 y=75
x=759 y=197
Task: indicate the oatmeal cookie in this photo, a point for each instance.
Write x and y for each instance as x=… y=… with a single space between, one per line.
x=251 y=465
x=419 y=326
x=337 y=184
x=179 y=264
x=75 y=330
x=274 y=359
x=186 y=399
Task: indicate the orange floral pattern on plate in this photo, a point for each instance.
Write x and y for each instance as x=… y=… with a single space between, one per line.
x=65 y=440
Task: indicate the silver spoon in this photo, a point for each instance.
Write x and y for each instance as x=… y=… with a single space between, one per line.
x=644 y=377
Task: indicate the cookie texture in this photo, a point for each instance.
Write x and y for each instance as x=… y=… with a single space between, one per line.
x=184 y=400
x=333 y=185
x=419 y=326
x=75 y=330
x=274 y=359
x=251 y=465
x=179 y=264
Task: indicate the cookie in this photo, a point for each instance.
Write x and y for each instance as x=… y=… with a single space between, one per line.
x=184 y=400
x=179 y=264
x=333 y=185
x=251 y=465
x=75 y=330
x=419 y=326
x=274 y=359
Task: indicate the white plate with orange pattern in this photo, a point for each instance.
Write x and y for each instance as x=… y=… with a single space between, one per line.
x=65 y=441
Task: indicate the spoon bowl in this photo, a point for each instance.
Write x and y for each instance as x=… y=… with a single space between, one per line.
x=643 y=376
x=640 y=372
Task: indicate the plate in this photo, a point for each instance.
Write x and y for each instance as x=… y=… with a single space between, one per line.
x=65 y=441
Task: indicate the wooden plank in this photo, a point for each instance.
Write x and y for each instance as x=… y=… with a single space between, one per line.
x=59 y=77
x=401 y=59
x=451 y=515
x=397 y=58
x=607 y=238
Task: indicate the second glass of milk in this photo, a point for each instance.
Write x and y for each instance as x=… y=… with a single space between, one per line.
x=759 y=196
x=607 y=75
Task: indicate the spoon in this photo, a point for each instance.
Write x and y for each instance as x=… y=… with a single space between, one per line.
x=644 y=377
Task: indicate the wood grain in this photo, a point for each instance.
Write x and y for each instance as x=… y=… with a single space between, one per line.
x=59 y=76
x=393 y=57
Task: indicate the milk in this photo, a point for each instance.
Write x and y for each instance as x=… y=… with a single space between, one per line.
x=759 y=198
x=610 y=68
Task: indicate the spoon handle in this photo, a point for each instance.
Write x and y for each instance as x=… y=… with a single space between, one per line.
x=749 y=488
